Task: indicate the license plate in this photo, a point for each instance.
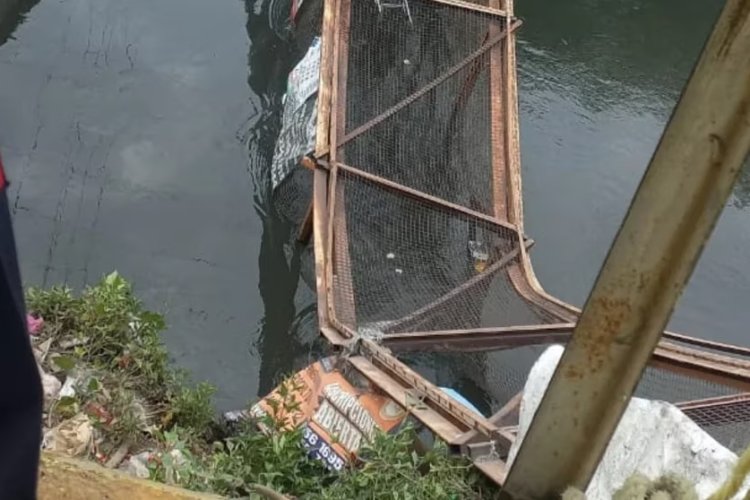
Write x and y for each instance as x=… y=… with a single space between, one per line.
x=321 y=450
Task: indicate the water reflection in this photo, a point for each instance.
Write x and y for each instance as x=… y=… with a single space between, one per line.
x=606 y=51
x=287 y=332
x=598 y=81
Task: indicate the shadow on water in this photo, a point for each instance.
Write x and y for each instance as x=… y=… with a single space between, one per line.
x=287 y=332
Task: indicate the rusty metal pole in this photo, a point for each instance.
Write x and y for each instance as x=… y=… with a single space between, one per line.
x=669 y=220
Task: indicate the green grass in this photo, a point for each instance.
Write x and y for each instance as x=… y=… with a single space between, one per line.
x=126 y=385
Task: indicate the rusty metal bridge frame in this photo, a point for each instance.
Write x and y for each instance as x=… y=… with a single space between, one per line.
x=484 y=440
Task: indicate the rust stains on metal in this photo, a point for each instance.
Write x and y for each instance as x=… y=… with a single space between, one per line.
x=672 y=214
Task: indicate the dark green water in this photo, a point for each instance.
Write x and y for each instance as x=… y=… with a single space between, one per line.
x=138 y=136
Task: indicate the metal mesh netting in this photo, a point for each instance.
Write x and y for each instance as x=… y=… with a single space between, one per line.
x=390 y=57
x=666 y=385
x=293 y=196
x=490 y=380
x=438 y=142
x=418 y=114
x=728 y=423
x=448 y=155
x=487 y=380
x=406 y=264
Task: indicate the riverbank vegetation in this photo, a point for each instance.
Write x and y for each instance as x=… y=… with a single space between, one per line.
x=112 y=396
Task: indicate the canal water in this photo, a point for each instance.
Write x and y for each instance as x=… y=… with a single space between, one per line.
x=138 y=137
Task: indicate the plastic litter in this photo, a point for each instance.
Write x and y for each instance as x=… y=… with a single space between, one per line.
x=137 y=465
x=653 y=438
x=34 y=324
x=51 y=387
x=298 y=123
x=72 y=437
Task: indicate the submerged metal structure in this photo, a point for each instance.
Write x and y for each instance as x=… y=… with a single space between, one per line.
x=416 y=221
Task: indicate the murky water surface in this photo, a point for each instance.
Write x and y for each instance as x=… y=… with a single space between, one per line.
x=138 y=136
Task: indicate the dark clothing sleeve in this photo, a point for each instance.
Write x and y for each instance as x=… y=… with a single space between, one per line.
x=20 y=385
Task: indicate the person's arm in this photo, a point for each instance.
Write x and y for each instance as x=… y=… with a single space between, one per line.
x=20 y=385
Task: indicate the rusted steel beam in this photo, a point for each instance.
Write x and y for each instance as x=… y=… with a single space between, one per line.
x=718 y=411
x=320 y=230
x=479 y=339
x=426 y=197
x=433 y=396
x=498 y=137
x=723 y=370
x=672 y=214
x=337 y=232
x=336 y=87
x=320 y=176
x=507 y=415
x=323 y=119
x=718 y=369
x=444 y=427
x=421 y=92
x=342 y=294
x=708 y=344
x=473 y=6
x=700 y=404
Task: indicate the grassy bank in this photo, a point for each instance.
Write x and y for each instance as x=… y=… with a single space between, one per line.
x=113 y=397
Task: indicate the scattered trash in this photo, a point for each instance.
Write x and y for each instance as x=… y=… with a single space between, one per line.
x=34 y=324
x=98 y=412
x=298 y=123
x=43 y=350
x=70 y=343
x=653 y=438
x=50 y=386
x=69 y=387
x=390 y=256
x=399 y=270
x=137 y=465
x=396 y=4
x=71 y=437
x=118 y=456
x=370 y=333
x=178 y=458
x=480 y=255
